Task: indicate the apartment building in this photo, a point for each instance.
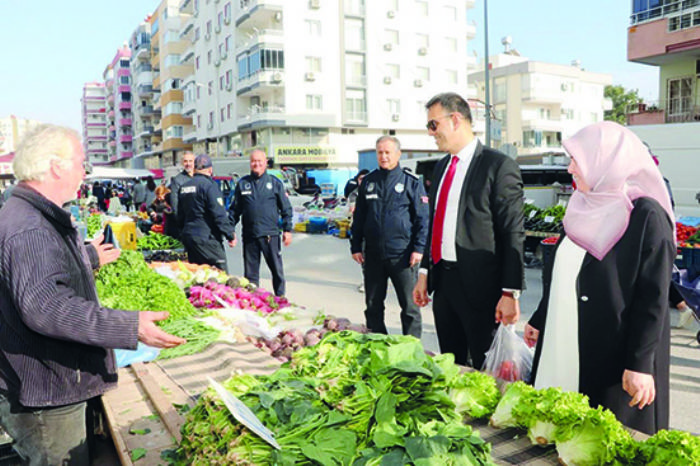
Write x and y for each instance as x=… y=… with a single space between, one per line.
x=117 y=77
x=12 y=129
x=168 y=73
x=666 y=34
x=142 y=92
x=312 y=82
x=94 y=122
x=536 y=105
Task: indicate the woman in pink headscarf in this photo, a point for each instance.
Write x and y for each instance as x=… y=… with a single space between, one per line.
x=602 y=327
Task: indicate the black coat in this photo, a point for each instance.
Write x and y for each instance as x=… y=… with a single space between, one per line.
x=490 y=233
x=623 y=318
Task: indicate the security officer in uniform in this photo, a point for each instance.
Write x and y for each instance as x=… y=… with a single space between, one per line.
x=389 y=232
x=203 y=217
x=260 y=200
x=172 y=228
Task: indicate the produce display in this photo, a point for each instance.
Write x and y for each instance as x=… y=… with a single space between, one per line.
x=687 y=236
x=164 y=256
x=351 y=399
x=283 y=346
x=154 y=240
x=94 y=224
x=130 y=284
x=547 y=220
x=213 y=294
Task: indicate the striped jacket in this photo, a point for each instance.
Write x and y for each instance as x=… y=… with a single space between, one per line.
x=55 y=339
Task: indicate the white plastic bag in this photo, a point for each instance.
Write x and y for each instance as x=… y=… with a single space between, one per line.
x=509 y=358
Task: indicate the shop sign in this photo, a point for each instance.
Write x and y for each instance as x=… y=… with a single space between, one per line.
x=305 y=154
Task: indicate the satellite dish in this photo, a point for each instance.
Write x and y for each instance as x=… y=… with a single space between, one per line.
x=506 y=41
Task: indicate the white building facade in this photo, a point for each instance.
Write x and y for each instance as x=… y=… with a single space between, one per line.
x=536 y=105
x=94 y=119
x=312 y=82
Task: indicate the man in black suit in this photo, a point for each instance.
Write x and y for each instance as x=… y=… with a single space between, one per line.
x=473 y=260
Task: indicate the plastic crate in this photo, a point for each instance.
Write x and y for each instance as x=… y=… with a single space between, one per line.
x=547 y=251
x=690 y=260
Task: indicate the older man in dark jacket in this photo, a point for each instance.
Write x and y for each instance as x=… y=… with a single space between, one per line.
x=55 y=339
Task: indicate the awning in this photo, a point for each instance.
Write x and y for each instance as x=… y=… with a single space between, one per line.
x=112 y=173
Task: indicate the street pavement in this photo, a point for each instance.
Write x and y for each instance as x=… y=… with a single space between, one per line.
x=322 y=276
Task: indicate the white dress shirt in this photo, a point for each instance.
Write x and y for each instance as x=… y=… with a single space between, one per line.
x=449 y=229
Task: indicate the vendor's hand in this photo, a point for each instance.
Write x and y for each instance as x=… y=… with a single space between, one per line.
x=507 y=310
x=106 y=253
x=640 y=387
x=232 y=243
x=150 y=334
x=287 y=238
x=531 y=335
x=416 y=257
x=420 y=291
x=359 y=258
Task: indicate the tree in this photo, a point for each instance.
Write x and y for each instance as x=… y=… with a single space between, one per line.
x=622 y=101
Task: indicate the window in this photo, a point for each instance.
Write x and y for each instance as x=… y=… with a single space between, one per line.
x=227 y=12
x=451 y=44
x=451 y=76
x=501 y=116
x=422 y=7
x=544 y=114
x=355 y=74
x=229 y=76
x=354 y=34
x=228 y=42
x=196 y=34
x=313 y=27
x=199 y=120
x=393 y=106
x=172 y=107
x=222 y=115
x=313 y=64
x=228 y=111
x=422 y=40
x=210 y=87
x=679 y=99
x=209 y=27
x=314 y=102
x=196 y=63
x=450 y=13
x=172 y=60
x=392 y=36
x=124 y=80
x=567 y=113
x=393 y=71
x=499 y=90
x=198 y=93
x=356 y=105
x=211 y=119
x=220 y=19
x=171 y=36
x=222 y=49
x=593 y=117
x=124 y=62
x=423 y=73
x=209 y=57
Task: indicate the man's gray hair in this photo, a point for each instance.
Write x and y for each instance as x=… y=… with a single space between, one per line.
x=39 y=147
x=386 y=137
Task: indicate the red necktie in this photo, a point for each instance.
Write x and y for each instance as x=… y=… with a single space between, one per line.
x=439 y=220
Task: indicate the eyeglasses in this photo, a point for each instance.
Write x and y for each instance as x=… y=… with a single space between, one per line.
x=432 y=125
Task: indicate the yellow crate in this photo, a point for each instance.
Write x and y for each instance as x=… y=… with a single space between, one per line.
x=301 y=227
x=125 y=234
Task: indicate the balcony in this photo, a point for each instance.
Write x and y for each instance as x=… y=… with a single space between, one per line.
x=112 y=143
x=110 y=99
x=124 y=105
x=543 y=95
x=146 y=131
x=254 y=13
x=144 y=90
x=188 y=56
x=143 y=52
x=269 y=36
x=190 y=136
x=261 y=81
x=124 y=88
x=471 y=30
x=123 y=72
x=125 y=122
x=127 y=155
x=679 y=110
x=146 y=110
x=542 y=124
x=110 y=114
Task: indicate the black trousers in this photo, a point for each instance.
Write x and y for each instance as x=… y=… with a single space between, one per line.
x=205 y=251
x=270 y=247
x=377 y=272
x=464 y=329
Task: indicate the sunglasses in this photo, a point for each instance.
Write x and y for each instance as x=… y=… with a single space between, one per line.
x=432 y=125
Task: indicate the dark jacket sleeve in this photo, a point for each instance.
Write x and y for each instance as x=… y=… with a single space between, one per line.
x=507 y=202
x=175 y=191
x=93 y=256
x=216 y=207
x=236 y=209
x=284 y=206
x=419 y=217
x=350 y=186
x=650 y=302
x=358 y=221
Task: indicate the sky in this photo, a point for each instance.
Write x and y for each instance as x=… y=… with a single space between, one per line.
x=50 y=48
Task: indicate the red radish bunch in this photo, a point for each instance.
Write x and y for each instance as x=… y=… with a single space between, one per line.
x=213 y=295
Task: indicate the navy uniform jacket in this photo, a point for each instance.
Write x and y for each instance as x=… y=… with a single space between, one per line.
x=261 y=201
x=201 y=210
x=391 y=214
